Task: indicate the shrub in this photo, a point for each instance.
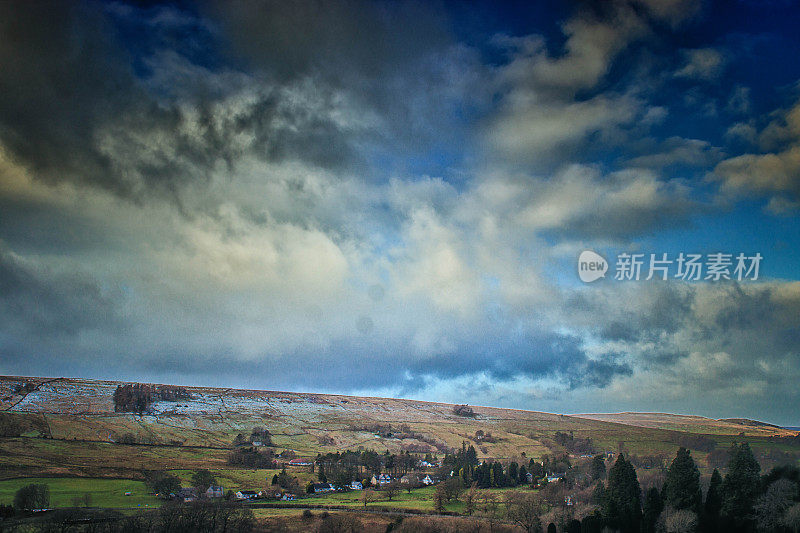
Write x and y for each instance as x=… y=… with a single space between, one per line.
x=33 y=496
x=464 y=410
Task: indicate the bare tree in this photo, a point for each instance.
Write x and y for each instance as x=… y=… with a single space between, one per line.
x=367 y=496
x=791 y=518
x=470 y=499
x=771 y=506
x=391 y=490
x=679 y=521
x=525 y=509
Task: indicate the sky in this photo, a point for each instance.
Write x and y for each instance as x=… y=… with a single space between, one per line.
x=390 y=199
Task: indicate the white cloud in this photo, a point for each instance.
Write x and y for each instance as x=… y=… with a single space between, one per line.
x=701 y=64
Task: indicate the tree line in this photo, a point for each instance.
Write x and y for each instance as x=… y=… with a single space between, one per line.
x=741 y=501
x=137 y=397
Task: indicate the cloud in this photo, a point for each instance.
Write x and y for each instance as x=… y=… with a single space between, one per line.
x=37 y=300
x=678 y=151
x=739 y=101
x=713 y=343
x=547 y=131
x=75 y=110
x=556 y=102
x=353 y=195
x=762 y=173
x=701 y=64
x=774 y=174
x=581 y=201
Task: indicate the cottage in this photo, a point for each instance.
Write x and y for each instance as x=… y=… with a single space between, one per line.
x=552 y=478
x=288 y=497
x=426 y=464
x=356 y=485
x=246 y=495
x=428 y=480
x=322 y=487
x=215 y=491
x=381 y=479
x=299 y=462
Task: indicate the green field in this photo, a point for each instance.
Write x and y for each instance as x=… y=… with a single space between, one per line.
x=102 y=492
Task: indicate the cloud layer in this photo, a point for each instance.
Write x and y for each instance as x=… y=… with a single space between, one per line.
x=357 y=198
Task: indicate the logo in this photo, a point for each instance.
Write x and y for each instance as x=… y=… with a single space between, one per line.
x=591 y=266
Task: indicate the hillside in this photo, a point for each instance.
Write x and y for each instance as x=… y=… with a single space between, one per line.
x=70 y=427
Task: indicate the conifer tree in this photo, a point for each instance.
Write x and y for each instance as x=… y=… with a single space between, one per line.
x=740 y=488
x=682 y=486
x=653 y=505
x=623 y=497
x=713 y=503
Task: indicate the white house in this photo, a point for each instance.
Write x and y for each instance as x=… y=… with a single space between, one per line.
x=246 y=495
x=215 y=491
x=428 y=480
x=356 y=485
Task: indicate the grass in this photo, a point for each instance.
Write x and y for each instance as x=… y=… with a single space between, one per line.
x=102 y=492
x=420 y=499
x=244 y=479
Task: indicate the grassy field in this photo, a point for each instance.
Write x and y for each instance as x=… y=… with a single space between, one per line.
x=419 y=499
x=102 y=492
x=244 y=479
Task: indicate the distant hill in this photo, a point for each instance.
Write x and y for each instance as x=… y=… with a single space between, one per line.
x=691 y=423
x=748 y=422
x=198 y=427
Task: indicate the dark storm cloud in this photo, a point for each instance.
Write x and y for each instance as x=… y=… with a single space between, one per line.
x=74 y=110
x=598 y=373
x=35 y=302
x=505 y=357
x=398 y=60
x=659 y=310
x=339 y=40
x=349 y=365
x=27 y=226
x=61 y=75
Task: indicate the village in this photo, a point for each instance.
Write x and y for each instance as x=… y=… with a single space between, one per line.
x=383 y=475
